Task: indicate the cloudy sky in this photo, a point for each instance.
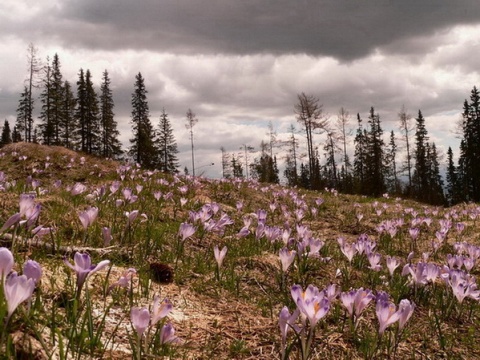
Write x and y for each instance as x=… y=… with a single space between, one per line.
x=240 y=64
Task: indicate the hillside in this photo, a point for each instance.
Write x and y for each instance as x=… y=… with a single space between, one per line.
x=166 y=228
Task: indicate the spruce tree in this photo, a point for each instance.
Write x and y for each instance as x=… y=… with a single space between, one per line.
x=453 y=191
x=391 y=166
x=46 y=126
x=166 y=146
x=142 y=144
x=420 y=172
x=111 y=147
x=93 y=140
x=6 y=134
x=57 y=100
x=23 y=114
x=68 y=125
x=470 y=148
x=360 y=157
x=81 y=112
x=374 y=159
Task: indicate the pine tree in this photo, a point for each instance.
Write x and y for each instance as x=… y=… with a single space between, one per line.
x=360 y=157
x=81 y=112
x=6 y=134
x=265 y=168
x=143 y=146
x=291 y=168
x=331 y=165
x=237 y=168
x=93 y=140
x=470 y=148
x=391 y=166
x=68 y=125
x=453 y=193
x=23 y=114
x=46 y=126
x=226 y=170
x=111 y=147
x=166 y=146
x=434 y=192
x=374 y=160
x=34 y=70
x=57 y=100
x=420 y=172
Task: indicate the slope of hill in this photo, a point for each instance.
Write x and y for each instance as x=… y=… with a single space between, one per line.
x=349 y=264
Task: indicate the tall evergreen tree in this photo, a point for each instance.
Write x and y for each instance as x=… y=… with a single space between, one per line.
x=391 y=166
x=237 y=168
x=166 y=146
x=23 y=113
x=453 y=190
x=57 y=100
x=291 y=168
x=374 y=160
x=143 y=146
x=68 y=125
x=34 y=70
x=330 y=148
x=81 y=112
x=359 y=166
x=470 y=148
x=226 y=170
x=265 y=169
x=420 y=178
x=6 y=134
x=111 y=147
x=46 y=126
x=434 y=192
x=93 y=140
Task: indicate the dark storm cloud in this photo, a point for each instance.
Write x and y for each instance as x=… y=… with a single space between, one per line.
x=340 y=28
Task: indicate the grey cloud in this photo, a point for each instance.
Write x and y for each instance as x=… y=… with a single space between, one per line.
x=342 y=28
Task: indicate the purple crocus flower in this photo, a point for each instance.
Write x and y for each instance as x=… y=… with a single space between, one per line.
x=405 y=310
x=219 y=255
x=6 y=262
x=160 y=309
x=32 y=270
x=186 y=230
x=88 y=216
x=287 y=321
x=107 y=236
x=167 y=335
x=140 y=318
x=83 y=267
x=287 y=257
x=386 y=313
x=17 y=289
x=11 y=221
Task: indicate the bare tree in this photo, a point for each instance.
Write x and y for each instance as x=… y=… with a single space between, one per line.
x=310 y=115
x=191 y=121
x=246 y=149
x=406 y=127
x=343 y=119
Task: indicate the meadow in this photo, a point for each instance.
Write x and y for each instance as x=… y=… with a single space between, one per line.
x=102 y=260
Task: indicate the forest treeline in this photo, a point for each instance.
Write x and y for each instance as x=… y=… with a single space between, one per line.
x=81 y=118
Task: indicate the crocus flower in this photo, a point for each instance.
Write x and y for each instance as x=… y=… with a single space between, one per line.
x=124 y=279
x=167 y=335
x=405 y=310
x=392 y=264
x=287 y=321
x=11 y=221
x=140 y=318
x=88 y=216
x=186 y=230
x=310 y=302
x=83 y=267
x=160 y=309
x=387 y=314
x=286 y=257
x=17 y=289
x=107 y=236
x=32 y=270
x=219 y=255
x=374 y=260
x=355 y=301
x=6 y=262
